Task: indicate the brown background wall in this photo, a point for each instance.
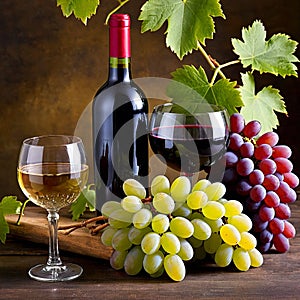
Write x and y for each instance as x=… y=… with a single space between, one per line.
x=51 y=66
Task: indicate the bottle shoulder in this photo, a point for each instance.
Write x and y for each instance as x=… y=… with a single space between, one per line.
x=126 y=91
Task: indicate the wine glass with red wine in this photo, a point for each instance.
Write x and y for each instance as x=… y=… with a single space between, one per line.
x=52 y=171
x=189 y=140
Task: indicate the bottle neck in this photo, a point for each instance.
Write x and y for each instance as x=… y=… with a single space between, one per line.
x=119 y=69
x=119 y=48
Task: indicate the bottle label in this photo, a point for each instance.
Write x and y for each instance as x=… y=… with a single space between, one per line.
x=115 y=62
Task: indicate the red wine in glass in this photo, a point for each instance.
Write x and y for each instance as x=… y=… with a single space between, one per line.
x=189 y=142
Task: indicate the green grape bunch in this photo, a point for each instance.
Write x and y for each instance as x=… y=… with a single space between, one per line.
x=176 y=224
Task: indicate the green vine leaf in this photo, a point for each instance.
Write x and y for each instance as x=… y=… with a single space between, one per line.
x=82 y=10
x=223 y=92
x=273 y=56
x=9 y=205
x=189 y=21
x=261 y=106
x=87 y=199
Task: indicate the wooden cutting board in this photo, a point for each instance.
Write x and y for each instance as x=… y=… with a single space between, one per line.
x=34 y=228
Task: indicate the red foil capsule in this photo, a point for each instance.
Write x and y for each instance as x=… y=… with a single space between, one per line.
x=119 y=31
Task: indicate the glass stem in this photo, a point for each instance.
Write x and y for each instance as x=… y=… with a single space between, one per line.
x=54 y=259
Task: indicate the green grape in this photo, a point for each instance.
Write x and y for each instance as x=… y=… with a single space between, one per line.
x=248 y=241
x=202 y=230
x=181 y=227
x=132 y=187
x=212 y=244
x=232 y=208
x=150 y=243
x=215 y=225
x=120 y=218
x=256 y=258
x=241 y=259
x=133 y=263
x=196 y=243
x=107 y=235
x=170 y=242
x=120 y=240
x=230 y=235
x=109 y=207
x=158 y=273
x=181 y=210
x=163 y=203
x=242 y=222
x=160 y=223
x=131 y=204
x=223 y=256
x=196 y=215
x=186 y=251
x=117 y=259
x=153 y=263
x=200 y=253
x=160 y=184
x=142 y=218
x=136 y=235
x=215 y=191
x=174 y=267
x=196 y=200
x=180 y=188
x=222 y=201
x=213 y=210
x=201 y=185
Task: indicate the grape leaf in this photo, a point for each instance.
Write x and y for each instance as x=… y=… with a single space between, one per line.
x=86 y=199
x=82 y=10
x=273 y=56
x=261 y=106
x=189 y=21
x=222 y=93
x=9 y=205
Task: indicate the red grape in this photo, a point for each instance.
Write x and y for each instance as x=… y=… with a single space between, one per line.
x=258 y=193
x=281 y=243
x=291 y=179
x=252 y=129
x=282 y=211
x=289 y=230
x=271 y=182
x=245 y=166
x=231 y=159
x=263 y=151
x=235 y=142
x=281 y=151
x=283 y=165
x=267 y=166
x=237 y=123
x=276 y=226
x=247 y=149
x=290 y=198
x=272 y=199
x=270 y=138
x=266 y=213
x=243 y=187
x=256 y=177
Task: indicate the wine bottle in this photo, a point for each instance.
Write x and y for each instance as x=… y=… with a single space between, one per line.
x=120 y=121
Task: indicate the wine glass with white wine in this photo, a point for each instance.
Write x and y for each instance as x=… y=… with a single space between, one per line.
x=52 y=171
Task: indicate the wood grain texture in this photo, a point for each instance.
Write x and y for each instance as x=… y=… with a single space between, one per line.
x=278 y=278
x=34 y=228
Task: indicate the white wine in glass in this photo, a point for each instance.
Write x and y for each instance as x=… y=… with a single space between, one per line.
x=52 y=171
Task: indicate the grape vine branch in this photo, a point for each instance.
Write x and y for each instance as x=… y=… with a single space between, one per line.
x=187 y=31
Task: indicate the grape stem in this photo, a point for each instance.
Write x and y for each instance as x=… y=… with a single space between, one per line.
x=121 y=3
x=94 y=229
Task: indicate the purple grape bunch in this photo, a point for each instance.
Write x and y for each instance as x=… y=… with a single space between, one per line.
x=259 y=174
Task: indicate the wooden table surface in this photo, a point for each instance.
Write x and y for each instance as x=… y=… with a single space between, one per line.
x=278 y=278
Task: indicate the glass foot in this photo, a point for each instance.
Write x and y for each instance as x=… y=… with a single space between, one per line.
x=48 y=273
